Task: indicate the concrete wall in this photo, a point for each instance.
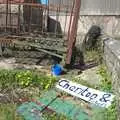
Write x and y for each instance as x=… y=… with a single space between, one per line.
x=100 y=7
x=112 y=60
x=109 y=24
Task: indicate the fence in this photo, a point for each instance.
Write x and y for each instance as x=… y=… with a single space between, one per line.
x=39 y=22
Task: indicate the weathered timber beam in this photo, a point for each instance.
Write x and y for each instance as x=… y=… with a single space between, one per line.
x=39 y=49
x=63 y=49
x=37 y=38
x=50 y=53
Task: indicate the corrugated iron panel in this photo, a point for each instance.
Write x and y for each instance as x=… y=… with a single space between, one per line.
x=63 y=2
x=100 y=7
x=94 y=7
x=88 y=7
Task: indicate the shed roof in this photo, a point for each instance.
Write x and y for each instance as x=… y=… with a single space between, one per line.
x=94 y=7
x=100 y=7
x=88 y=7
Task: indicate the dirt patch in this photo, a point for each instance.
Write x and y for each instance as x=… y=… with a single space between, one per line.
x=18 y=95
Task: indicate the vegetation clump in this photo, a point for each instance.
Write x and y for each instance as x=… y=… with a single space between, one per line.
x=24 y=79
x=18 y=86
x=106 y=85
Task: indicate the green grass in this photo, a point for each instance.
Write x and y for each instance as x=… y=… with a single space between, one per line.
x=106 y=82
x=37 y=83
x=55 y=116
x=106 y=85
x=17 y=84
x=93 y=55
x=18 y=78
x=8 y=112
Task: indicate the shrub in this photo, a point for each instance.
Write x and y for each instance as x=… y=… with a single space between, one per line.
x=18 y=78
x=105 y=83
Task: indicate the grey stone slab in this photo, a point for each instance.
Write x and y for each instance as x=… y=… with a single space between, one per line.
x=112 y=60
x=91 y=76
x=114 y=46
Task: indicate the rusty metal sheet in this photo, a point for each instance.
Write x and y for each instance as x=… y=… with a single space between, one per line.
x=100 y=7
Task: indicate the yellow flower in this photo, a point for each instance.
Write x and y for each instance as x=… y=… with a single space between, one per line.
x=25 y=74
x=18 y=76
x=29 y=78
x=47 y=86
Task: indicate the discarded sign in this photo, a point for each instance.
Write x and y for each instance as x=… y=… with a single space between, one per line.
x=99 y=98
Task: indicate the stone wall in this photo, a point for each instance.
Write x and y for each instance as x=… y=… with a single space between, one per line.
x=112 y=60
x=109 y=24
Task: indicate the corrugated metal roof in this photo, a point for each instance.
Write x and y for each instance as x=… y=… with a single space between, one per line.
x=62 y=2
x=94 y=7
x=89 y=7
x=100 y=7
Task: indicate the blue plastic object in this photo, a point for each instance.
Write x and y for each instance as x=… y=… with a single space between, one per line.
x=44 y=2
x=57 y=69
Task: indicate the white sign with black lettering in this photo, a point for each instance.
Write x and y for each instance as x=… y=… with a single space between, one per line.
x=101 y=99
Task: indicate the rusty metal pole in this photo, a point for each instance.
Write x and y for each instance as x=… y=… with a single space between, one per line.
x=73 y=30
x=18 y=26
x=7 y=3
